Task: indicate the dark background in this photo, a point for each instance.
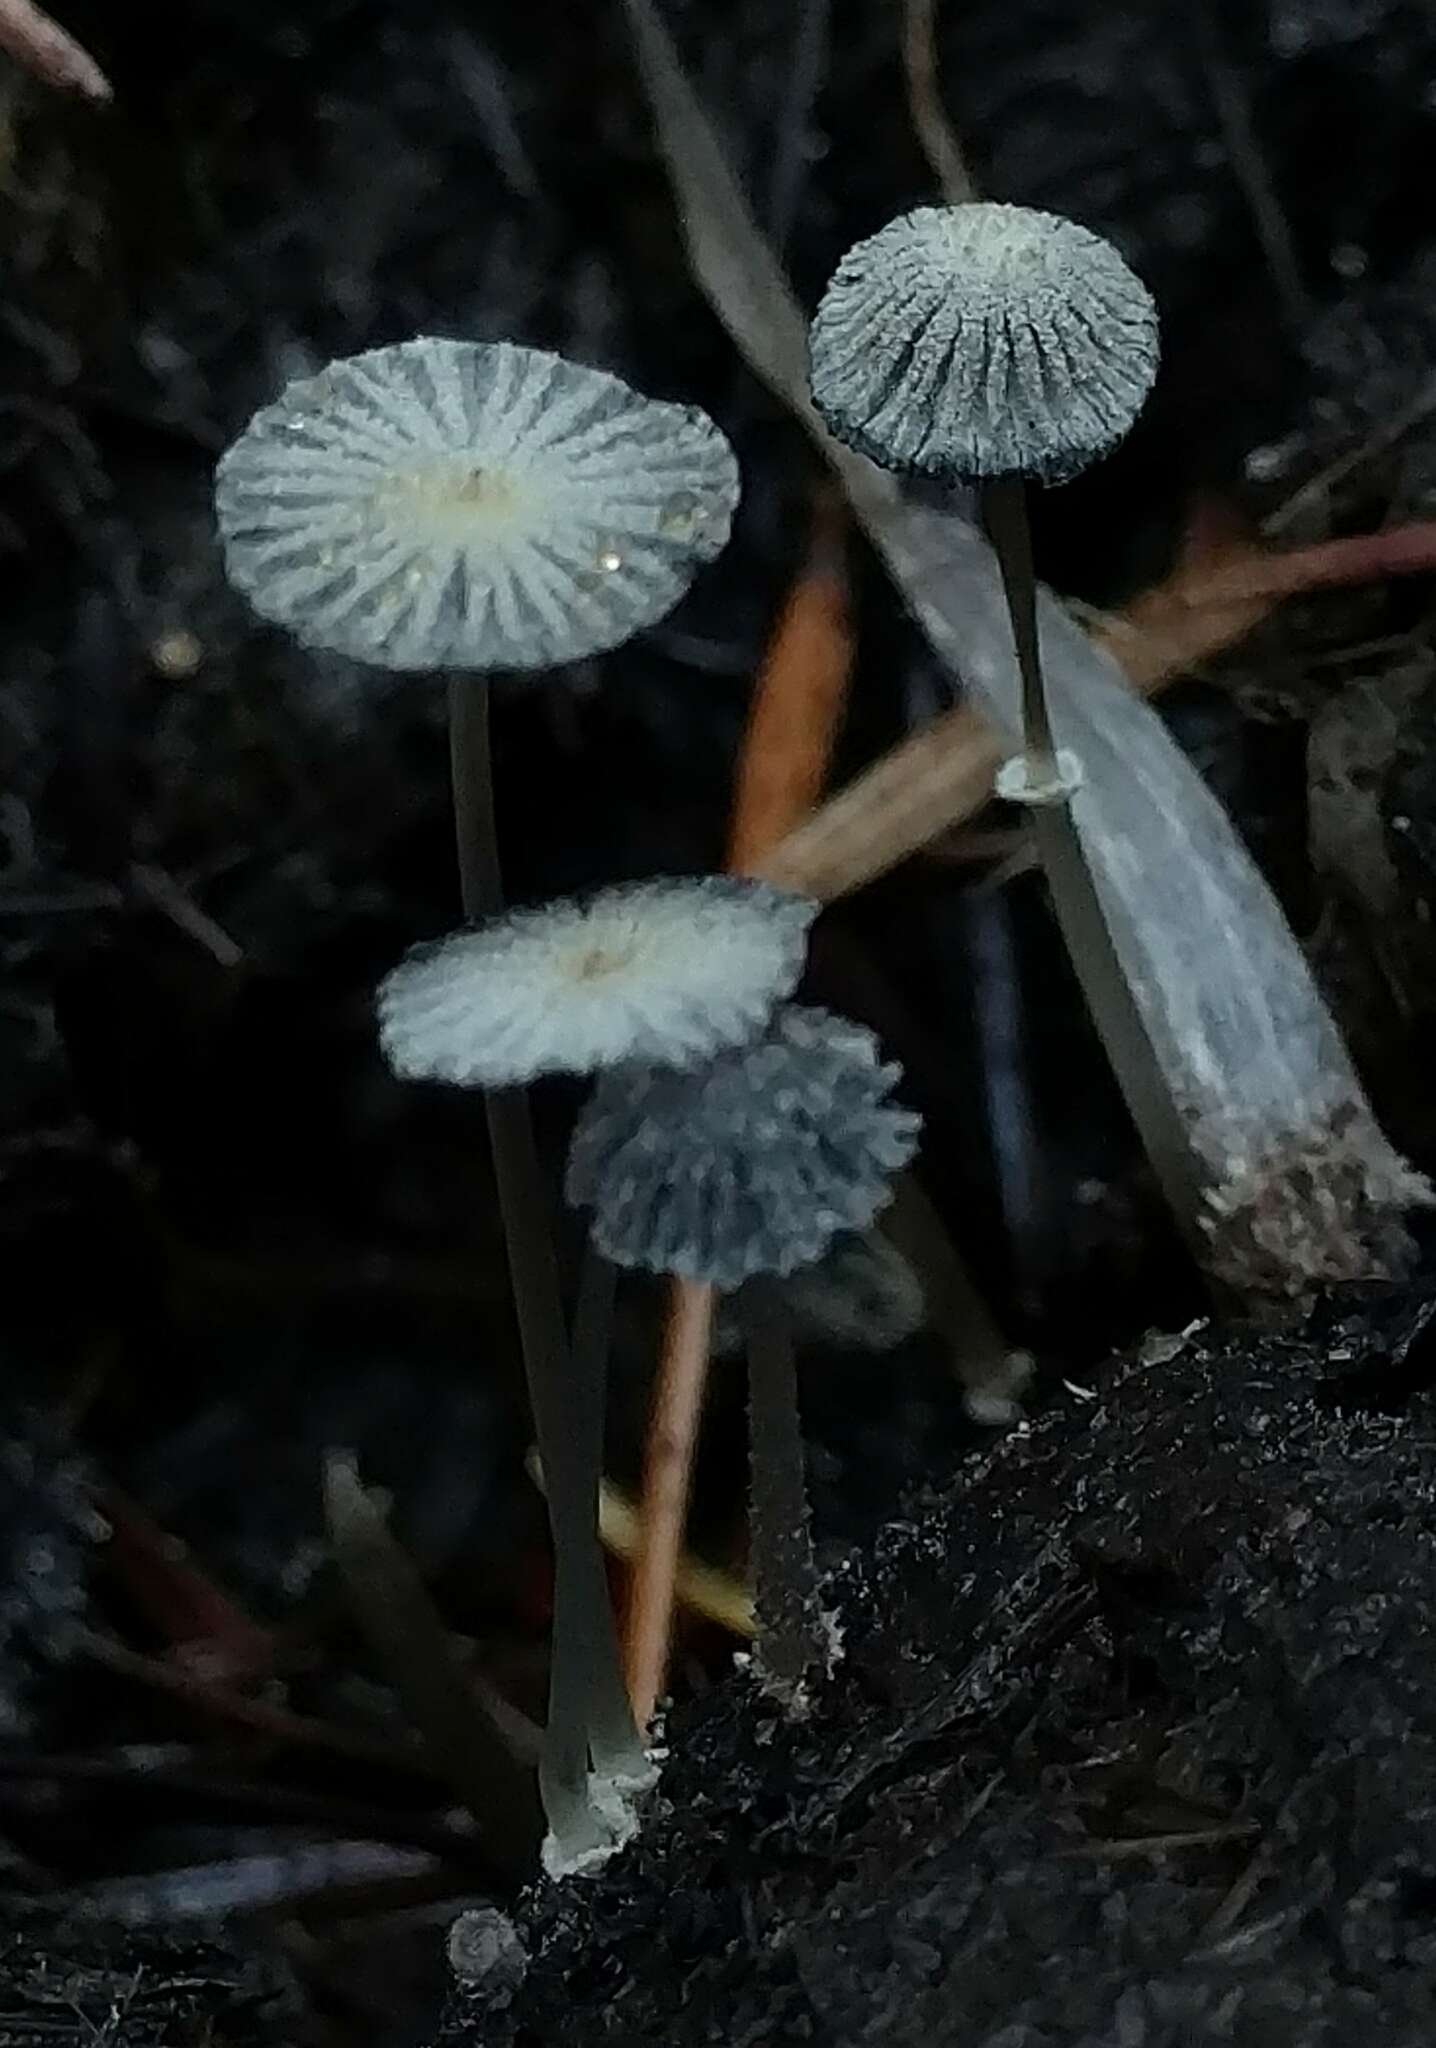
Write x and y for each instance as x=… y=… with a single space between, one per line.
x=230 y=1240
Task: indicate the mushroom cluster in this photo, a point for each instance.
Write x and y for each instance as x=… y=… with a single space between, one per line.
x=474 y=508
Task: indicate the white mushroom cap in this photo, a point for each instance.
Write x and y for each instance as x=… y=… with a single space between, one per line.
x=751 y=1163
x=662 y=971
x=983 y=340
x=450 y=504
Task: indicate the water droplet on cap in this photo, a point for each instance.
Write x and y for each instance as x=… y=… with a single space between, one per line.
x=681 y=513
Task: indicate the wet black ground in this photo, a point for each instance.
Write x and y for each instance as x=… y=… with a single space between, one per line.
x=230 y=1240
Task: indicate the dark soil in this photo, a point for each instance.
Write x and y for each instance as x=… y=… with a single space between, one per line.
x=1132 y=1743
x=231 y=1241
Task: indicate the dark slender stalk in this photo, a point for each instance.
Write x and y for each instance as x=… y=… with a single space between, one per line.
x=612 y=1734
x=794 y=1645
x=471 y=770
x=588 y=1710
x=1083 y=922
x=1004 y=506
x=978 y=1352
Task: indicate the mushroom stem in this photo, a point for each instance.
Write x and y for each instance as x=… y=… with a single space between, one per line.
x=1004 y=510
x=795 y=1642
x=613 y=1738
x=588 y=1707
x=1085 y=931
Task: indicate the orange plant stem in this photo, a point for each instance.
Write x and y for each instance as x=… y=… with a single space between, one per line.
x=798 y=702
x=663 y=1507
x=797 y=707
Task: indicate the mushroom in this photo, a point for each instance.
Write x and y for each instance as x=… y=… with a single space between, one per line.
x=1000 y=345
x=451 y=504
x=751 y=1163
x=731 y=1173
x=987 y=344
x=471 y=507
x=668 y=971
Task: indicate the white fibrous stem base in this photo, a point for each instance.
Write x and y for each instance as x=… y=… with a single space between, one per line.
x=1016 y=782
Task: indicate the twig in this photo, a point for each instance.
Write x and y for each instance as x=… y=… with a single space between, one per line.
x=700 y=1589
x=667 y=1472
x=928 y=782
x=802 y=78
x=393 y=1608
x=42 y=46
x=1249 y=167
x=1381 y=437
x=799 y=697
x=166 y=894
x=261 y=1717
x=1164 y=632
x=1357 y=558
x=934 y=131
x=362 y=1874
x=140 y=1777
x=206 y=1628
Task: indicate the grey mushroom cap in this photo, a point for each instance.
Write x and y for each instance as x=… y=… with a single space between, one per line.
x=451 y=504
x=750 y=1164
x=981 y=341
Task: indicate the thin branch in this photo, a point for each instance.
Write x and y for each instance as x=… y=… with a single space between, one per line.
x=216 y=1702
x=403 y=1627
x=1248 y=163
x=701 y=1589
x=934 y=131
x=161 y=889
x=667 y=1472
x=801 y=693
x=42 y=46
x=802 y=80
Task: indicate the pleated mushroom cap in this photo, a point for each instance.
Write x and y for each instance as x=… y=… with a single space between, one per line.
x=665 y=971
x=982 y=341
x=749 y=1164
x=449 y=504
